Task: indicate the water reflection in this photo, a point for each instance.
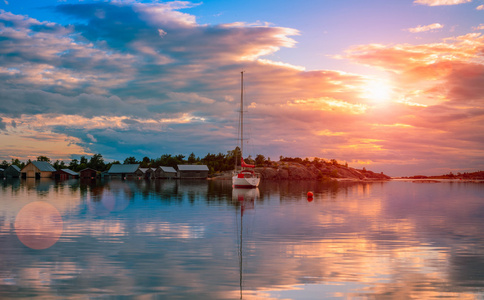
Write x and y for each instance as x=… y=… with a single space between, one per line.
x=245 y=200
x=205 y=240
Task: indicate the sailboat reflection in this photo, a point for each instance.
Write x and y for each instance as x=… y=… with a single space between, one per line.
x=245 y=199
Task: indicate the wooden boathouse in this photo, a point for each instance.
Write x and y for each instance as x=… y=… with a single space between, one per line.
x=38 y=169
x=192 y=171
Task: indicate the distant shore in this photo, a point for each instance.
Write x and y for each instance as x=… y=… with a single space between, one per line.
x=437 y=180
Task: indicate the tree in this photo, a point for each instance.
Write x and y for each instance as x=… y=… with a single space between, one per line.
x=232 y=156
x=146 y=162
x=43 y=158
x=18 y=163
x=97 y=162
x=74 y=165
x=180 y=158
x=259 y=160
x=83 y=160
x=4 y=164
x=130 y=160
x=192 y=159
x=59 y=165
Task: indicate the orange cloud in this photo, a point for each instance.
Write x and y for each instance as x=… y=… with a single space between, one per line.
x=481 y=26
x=401 y=57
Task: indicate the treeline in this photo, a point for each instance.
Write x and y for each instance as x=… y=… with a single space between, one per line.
x=466 y=175
x=216 y=162
x=95 y=162
x=317 y=162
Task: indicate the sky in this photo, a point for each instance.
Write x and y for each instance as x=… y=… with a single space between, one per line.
x=392 y=86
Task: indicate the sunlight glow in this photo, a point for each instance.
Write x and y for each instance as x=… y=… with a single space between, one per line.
x=378 y=91
x=328 y=104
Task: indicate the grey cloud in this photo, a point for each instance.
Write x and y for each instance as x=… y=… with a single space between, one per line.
x=16 y=102
x=130 y=121
x=3 y=125
x=139 y=141
x=131 y=61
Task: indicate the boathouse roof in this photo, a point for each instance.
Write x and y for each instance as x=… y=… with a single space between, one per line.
x=128 y=168
x=44 y=166
x=192 y=168
x=70 y=172
x=168 y=169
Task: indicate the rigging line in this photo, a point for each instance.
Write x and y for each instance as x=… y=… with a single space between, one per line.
x=248 y=122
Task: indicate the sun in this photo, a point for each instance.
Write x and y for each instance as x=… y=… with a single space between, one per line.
x=378 y=91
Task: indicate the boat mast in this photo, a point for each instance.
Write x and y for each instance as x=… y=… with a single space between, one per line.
x=241 y=121
x=242 y=114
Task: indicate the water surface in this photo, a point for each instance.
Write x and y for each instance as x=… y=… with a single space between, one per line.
x=203 y=240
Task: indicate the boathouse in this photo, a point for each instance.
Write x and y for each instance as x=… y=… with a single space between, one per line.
x=88 y=173
x=12 y=171
x=148 y=173
x=38 y=169
x=124 y=171
x=192 y=171
x=64 y=174
x=165 y=172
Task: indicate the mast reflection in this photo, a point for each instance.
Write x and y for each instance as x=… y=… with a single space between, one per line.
x=243 y=199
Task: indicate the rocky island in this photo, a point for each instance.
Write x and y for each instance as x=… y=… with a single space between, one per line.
x=283 y=170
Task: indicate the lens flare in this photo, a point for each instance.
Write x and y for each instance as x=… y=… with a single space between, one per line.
x=39 y=225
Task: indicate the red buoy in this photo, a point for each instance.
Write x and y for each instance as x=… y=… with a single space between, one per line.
x=310 y=194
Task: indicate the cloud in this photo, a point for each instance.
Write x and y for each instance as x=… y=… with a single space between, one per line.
x=446 y=78
x=3 y=125
x=440 y=2
x=480 y=27
x=162 y=83
x=91 y=137
x=425 y=28
x=480 y=7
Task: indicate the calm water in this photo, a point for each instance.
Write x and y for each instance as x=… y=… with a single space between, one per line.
x=203 y=240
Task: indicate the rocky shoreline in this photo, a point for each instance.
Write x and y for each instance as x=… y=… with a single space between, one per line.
x=297 y=171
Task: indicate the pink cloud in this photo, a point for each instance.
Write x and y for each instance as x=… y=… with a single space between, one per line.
x=419 y=28
x=440 y=2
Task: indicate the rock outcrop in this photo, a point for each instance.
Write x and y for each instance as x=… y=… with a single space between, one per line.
x=325 y=171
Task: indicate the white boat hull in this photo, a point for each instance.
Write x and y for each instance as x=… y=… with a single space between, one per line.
x=242 y=182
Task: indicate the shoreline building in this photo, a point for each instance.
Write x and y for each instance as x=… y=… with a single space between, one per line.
x=124 y=171
x=165 y=172
x=64 y=174
x=12 y=171
x=148 y=173
x=38 y=169
x=88 y=173
x=192 y=171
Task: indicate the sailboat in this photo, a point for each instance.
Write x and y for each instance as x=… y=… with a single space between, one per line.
x=246 y=177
